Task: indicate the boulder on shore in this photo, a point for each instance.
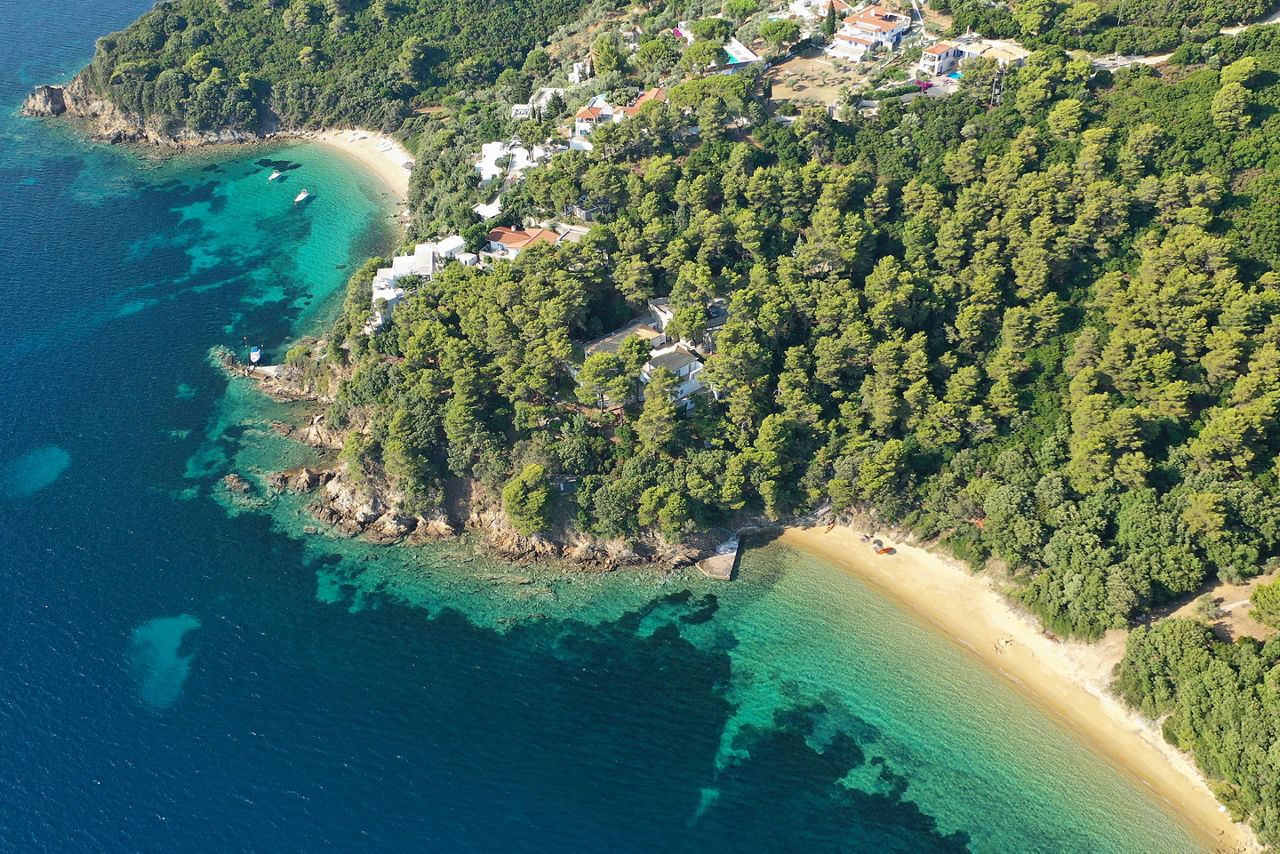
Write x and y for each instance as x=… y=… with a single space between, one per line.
x=302 y=479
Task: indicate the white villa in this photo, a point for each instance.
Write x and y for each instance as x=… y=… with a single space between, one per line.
x=683 y=357
x=425 y=260
x=539 y=101
x=717 y=314
x=681 y=361
x=520 y=159
x=946 y=56
x=816 y=10
x=599 y=111
x=583 y=71
x=867 y=28
x=941 y=58
x=507 y=242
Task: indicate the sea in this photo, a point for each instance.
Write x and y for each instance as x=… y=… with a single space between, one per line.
x=184 y=667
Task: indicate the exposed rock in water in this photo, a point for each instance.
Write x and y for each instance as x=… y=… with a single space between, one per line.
x=369 y=508
x=318 y=434
x=236 y=483
x=513 y=545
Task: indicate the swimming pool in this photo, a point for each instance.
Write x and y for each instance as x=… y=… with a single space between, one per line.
x=956 y=75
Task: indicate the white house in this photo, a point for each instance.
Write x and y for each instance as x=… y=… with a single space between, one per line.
x=426 y=259
x=539 y=102
x=450 y=247
x=869 y=27
x=519 y=159
x=816 y=10
x=507 y=242
x=386 y=296
x=704 y=340
x=583 y=71
x=946 y=56
x=598 y=111
x=1005 y=53
x=682 y=362
x=487 y=165
x=941 y=58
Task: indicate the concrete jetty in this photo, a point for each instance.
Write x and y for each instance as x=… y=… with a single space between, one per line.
x=724 y=562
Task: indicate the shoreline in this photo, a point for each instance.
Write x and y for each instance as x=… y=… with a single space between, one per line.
x=391 y=164
x=1070 y=679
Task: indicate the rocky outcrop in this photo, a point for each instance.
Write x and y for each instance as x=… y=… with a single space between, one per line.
x=370 y=510
x=301 y=479
x=236 y=483
x=431 y=528
x=106 y=122
x=45 y=102
x=319 y=434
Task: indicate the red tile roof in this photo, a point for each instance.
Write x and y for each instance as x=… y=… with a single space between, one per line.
x=876 y=18
x=520 y=239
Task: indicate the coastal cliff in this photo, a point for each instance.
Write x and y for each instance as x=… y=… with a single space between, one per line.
x=103 y=121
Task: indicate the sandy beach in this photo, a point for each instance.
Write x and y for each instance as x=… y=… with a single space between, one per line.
x=1069 y=679
x=390 y=160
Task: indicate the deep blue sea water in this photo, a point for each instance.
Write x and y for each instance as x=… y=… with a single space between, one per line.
x=182 y=668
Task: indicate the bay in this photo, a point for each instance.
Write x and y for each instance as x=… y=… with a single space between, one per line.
x=186 y=668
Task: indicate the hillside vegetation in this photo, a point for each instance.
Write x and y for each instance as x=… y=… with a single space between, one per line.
x=253 y=64
x=1046 y=330
x=1107 y=26
x=1219 y=701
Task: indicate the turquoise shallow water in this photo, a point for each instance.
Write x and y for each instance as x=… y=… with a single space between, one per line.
x=187 y=669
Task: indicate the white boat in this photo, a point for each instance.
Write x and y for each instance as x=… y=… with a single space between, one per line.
x=274 y=175
x=255 y=354
x=301 y=197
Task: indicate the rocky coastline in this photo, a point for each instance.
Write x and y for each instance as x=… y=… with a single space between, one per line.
x=372 y=509
x=103 y=121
